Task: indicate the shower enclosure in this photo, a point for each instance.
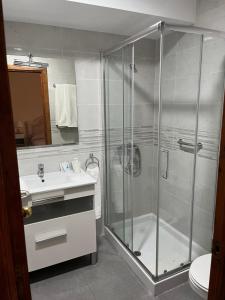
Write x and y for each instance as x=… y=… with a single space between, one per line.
x=161 y=146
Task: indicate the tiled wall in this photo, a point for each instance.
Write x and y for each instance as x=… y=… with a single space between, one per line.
x=63 y=48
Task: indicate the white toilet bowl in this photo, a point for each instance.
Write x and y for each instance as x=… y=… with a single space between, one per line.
x=199 y=275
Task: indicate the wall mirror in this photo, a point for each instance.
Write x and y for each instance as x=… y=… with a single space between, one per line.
x=44 y=112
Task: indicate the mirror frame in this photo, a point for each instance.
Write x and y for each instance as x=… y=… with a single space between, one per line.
x=45 y=99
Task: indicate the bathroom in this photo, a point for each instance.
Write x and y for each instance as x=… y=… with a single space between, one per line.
x=131 y=101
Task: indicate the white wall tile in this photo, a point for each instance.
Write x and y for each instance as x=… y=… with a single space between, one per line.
x=87 y=66
x=88 y=93
x=88 y=117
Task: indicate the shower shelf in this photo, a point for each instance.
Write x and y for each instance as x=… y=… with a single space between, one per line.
x=189 y=147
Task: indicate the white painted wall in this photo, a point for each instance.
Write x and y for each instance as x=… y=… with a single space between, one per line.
x=176 y=9
x=118 y=17
x=211 y=14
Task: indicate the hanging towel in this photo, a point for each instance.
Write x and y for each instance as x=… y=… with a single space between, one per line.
x=95 y=173
x=65 y=105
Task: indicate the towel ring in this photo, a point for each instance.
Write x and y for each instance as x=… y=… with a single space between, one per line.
x=92 y=160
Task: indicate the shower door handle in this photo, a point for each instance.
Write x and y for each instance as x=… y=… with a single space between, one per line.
x=164 y=163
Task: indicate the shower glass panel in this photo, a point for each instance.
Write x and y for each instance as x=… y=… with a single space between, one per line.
x=115 y=140
x=128 y=145
x=180 y=87
x=162 y=141
x=210 y=115
x=145 y=116
x=118 y=74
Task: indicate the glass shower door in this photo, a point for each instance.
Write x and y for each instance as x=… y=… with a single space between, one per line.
x=139 y=178
x=178 y=145
x=115 y=138
x=118 y=80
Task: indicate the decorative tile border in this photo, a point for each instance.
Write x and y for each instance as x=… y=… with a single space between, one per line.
x=169 y=139
x=93 y=141
x=89 y=140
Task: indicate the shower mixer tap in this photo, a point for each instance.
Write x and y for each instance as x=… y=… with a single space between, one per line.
x=132 y=159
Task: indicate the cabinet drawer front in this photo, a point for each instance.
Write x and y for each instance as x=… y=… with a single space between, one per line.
x=57 y=240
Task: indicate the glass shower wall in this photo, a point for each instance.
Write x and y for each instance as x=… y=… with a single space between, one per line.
x=145 y=112
x=114 y=147
x=119 y=132
x=180 y=88
x=163 y=106
x=210 y=115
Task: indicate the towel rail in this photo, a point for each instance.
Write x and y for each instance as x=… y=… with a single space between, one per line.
x=92 y=160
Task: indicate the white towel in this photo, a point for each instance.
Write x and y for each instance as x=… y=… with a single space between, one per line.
x=65 y=105
x=94 y=172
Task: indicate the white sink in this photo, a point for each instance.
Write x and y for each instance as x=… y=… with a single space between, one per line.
x=55 y=181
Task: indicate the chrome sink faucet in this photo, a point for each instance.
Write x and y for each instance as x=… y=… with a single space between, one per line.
x=41 y=171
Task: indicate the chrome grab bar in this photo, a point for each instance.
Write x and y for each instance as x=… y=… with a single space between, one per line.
x=189 y=147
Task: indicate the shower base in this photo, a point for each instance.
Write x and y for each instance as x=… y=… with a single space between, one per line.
x=173 y=251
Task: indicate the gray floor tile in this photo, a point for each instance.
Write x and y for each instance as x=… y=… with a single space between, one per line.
x=74 y=294
x=110 y=279
x=182 y=292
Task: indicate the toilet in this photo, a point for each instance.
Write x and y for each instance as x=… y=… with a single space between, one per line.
x=199 y=275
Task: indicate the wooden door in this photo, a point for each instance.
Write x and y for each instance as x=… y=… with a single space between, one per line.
x=14 y=280
x=217 y=276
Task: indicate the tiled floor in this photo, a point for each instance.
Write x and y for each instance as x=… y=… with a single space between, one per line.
x=109 y=279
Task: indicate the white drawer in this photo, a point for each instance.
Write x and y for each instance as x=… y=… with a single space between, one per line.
x=57 y=240
x=78 y=192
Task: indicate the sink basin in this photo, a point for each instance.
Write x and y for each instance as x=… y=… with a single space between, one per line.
x=55 y=181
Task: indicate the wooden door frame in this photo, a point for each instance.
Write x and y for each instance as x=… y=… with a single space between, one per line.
x=14 y=279
x=44 y=93
x=217 y=275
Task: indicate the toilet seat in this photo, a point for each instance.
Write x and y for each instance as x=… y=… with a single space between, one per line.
x=199 y=274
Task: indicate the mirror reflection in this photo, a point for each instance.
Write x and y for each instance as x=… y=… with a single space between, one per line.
x=44 y=112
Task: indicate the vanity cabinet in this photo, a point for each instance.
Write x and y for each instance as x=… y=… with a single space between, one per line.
x=62 y=227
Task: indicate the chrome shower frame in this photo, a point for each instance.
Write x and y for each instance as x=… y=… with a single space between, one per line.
x=161 y=28
x=158 y=27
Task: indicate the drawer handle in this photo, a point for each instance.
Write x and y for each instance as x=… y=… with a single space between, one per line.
x=50 y=235
x=48 y=200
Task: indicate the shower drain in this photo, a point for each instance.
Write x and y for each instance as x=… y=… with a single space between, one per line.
x=137 y=253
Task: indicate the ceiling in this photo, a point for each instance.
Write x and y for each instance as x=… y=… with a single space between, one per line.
x=78 y=15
